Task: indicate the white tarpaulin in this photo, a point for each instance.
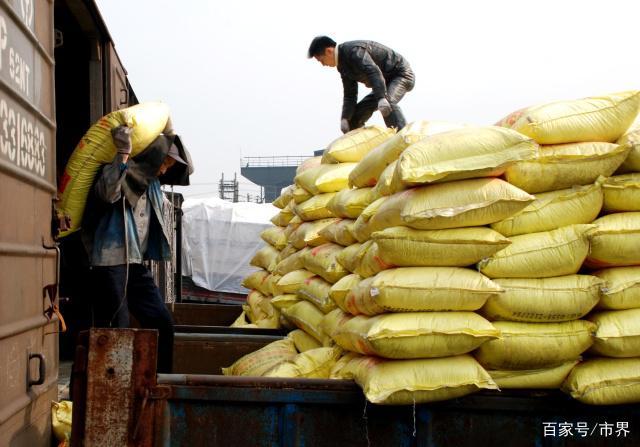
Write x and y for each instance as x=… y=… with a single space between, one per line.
x=219 y=239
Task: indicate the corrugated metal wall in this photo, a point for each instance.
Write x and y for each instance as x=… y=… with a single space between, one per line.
x=27 y=186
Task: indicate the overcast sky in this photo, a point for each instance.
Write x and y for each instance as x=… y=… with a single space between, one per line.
x=238 y=82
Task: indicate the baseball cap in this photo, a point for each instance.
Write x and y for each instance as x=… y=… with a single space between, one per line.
x=175 y=154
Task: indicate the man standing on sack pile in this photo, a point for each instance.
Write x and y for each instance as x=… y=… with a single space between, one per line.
x=124 y=226
x=377 y=67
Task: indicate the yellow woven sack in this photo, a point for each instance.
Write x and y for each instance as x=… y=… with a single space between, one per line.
x=623 y=288
x=384 y=185
x=602 y=381
x=61 y=416
x=308 y=317
x=309 y=233
x=420 y=289
x=286 y=252
x=312 y=364
x=362 y=229
x=283 y=301
x=265 y=258
x=275 y=236
x=271 y=284
x=622 y=193
x=334 y=320
x=255 y=300
x=286 y=196
x=546 y=300
x=285 y=215
x=349 y=203
x=315 y=208
x=541 y=255
x=256 y=280
x=316 y=290
x=407 y=382
x=292 y=226
x=241 y=321
x=311 y=162
x=563 y=166
x=368 y=261
x=372 y=165
x=555 y=209
x=339 y=290
x=597 y=118
x=616 y=241
x=260 y=311
x=292 y=281
x=322 y=261
x=356 y=144
x=631 y=138
x=301 y=195
x=325 y=178
x=415 y=335
x=406 y=247
x=291 y=263
x=618 y=333
x=303 y=341
x=96 y=148
x=348 y=258
x=545 y=378
x=259 y=362
x=536 y=345
x=337 y=370
x=340 y=232
x=465 y=153
x=466 y=203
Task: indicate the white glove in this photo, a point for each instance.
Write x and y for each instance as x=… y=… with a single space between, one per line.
x=121 y=137
x=384 y=107
x=344 y=125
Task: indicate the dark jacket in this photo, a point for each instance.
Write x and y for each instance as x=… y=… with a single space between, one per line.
x=368 y=62
x=109 y=226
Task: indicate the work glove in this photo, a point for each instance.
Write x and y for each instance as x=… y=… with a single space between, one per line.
x=121 y=137
x=168 y=128
x=344 y=125
x=384 y=107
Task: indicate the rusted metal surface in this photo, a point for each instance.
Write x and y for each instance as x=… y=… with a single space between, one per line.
x=206 y=410
x=196 y=294
x=28 y=343
x=195 y=410
x=200 y=353
x=187 y=329
x=204 y=314
x=114 y=406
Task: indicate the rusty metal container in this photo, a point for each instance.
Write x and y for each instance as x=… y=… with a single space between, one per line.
x=187 y=409
x=28 y=339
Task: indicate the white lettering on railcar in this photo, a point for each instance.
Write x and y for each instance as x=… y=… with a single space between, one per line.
x=19 y=69
x=22 y=141
x=27 y=11
x=3 y=38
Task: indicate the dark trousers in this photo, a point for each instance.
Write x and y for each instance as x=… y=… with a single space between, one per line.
x=111 y=307
x=396 y=89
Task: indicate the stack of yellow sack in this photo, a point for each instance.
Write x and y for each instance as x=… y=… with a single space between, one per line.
x=413 y=316
x=313 y=227
x=583 y=142
x=379 y=237
x=612 y=376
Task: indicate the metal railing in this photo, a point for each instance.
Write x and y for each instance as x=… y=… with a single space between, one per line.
x=272 y=162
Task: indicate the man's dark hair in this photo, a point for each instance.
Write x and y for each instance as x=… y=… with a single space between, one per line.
x=319 y=44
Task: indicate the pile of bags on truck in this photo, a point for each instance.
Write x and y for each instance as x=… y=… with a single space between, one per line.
x=442 y=259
